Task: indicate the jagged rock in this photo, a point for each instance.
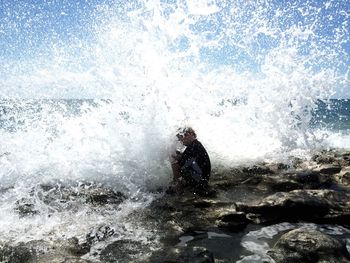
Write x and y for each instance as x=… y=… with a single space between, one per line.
x=227 y=178
x=257 y=169
x=329 y=169
x=306 y=177
x=300 y=245
x=15 y=254
x=308 y=205
x=104 y=196
x=122 y=251
x=297 y=162
x=343 y=177
x=76 y=249
x=278 y=167
x=323 y=159
x=58 y=197
x=253 y=180
x=99 y=234
x=184 y=255
x=25 y=207
x=286 y=182
x=340 y=156
x=170 y=217
x=59 y=258
x=66 y=260
x=285 y=185
x=66 y=251
x=278 y=182
x=345 y=158
x=95 y=194
x=233 y=222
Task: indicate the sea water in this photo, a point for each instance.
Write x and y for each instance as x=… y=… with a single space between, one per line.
x=96 y=95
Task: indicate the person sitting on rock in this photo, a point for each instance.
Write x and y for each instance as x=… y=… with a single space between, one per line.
x=192 y=167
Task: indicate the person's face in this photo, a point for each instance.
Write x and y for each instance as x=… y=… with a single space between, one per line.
x=187 y=139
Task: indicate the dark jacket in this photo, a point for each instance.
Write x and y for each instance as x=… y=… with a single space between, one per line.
x=196 y=159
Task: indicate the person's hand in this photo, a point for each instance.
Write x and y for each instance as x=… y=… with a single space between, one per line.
x=177 y=156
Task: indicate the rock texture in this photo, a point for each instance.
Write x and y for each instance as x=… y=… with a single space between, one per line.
x=15 y=254
x=315 y=190
x=302 y=245
x=319 y=206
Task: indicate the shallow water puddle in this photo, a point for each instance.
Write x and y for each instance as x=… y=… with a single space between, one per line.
x=252 y=244
x=201 y=235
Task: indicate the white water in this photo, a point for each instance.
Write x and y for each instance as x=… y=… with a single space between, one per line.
x=245 y=75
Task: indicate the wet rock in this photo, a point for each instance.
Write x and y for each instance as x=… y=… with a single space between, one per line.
x=323 y=159
x=66 y=251
x=302 y=245
x=254 y=179
x=170 y=217
x=345 y=158
x=335 y=156
x=280 y=182
x=309 y=179
x=99 y=234
x=257 y=169
x=59 y=258
x=329 y=169
x=233 y=222
x=224 y=178
x=278 y=167
x=285 y=185
x=122 y=251
x=76 y=249
x=95 y=194
x=297 y=162
x=343 y=177
x=308 y=205
x=66 y=260
x=104 y=196
x=184 y=255
x=15 y=254
x=285 y=182
x=306 y=177
x=303 y=195
x=25 y=207
x=60 y=196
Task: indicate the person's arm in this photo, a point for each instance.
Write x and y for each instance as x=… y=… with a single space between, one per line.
x=192 y=166
x=177 y=156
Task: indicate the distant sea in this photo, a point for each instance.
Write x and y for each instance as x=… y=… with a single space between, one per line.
x=333 y=114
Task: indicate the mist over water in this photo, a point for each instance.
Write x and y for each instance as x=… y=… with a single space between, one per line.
x=246 y=75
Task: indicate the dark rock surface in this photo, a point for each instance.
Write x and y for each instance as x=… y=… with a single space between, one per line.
x=300 y=245
x=15 y=254
x=75 y=248
x=321 y=206
x=304 y=191
x=343 y=177
x=121 y=251
x=184 y=254
x=25 y=207
x=315 y=191
x=59 y=197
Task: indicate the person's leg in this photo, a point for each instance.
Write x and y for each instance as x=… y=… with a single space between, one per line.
x=176 y=171
x=176 y=168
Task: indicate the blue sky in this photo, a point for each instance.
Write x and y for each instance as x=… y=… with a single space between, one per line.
x=28 y=29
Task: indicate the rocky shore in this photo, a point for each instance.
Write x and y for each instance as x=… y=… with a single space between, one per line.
x=308 y=200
